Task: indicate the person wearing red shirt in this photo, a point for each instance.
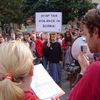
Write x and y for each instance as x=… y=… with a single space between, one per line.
x=38 y=47
x=88 y=87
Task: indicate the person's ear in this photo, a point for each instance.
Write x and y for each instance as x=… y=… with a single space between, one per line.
x=96 y=31
x=31 y=71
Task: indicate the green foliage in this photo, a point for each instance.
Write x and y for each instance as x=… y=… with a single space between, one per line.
x=69 y=8
x=10 y=11
x=77 y=8
x=27 y=8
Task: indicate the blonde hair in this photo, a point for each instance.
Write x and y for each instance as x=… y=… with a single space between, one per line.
x=15 y=59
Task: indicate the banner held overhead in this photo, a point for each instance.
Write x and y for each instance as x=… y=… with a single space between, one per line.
x=48 y=21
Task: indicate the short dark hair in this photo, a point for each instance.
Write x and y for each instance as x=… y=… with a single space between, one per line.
x=52 y=33
x=92 y=19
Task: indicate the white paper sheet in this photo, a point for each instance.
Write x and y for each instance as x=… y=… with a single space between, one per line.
x=43 y=85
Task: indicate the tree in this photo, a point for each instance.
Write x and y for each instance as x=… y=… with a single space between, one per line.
x=76 y=9
x=27 y=8
x=69 y=8
x=10 y=11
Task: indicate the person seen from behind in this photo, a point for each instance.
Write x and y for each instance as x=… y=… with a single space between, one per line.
x=16 y=70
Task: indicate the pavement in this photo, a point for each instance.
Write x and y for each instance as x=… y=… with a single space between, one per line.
x=65 y=85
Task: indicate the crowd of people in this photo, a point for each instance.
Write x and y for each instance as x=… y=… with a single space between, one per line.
x=21 y=51
x=50 y=49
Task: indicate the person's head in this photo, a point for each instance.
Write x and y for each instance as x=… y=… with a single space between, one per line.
x=91 y=28
x=68 y=36
x=53 y=37
x=19 y=36
x=33 y=36
x=59 y=36
x=76 y=32
x=43 y=36
x=16 y=63
x=1 y=39
x=27 y=37
x=13 y=36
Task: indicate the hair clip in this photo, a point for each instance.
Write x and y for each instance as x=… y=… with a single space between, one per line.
x=8 y=76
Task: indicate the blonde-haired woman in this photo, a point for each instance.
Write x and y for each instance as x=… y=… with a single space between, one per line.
x=16 y=64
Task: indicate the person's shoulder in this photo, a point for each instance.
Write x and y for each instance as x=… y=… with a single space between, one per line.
x=30 y=95
x=94 y=67
x=39 y=40
x=95 y=64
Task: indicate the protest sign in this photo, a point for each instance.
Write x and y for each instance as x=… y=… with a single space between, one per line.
x=48 y=21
